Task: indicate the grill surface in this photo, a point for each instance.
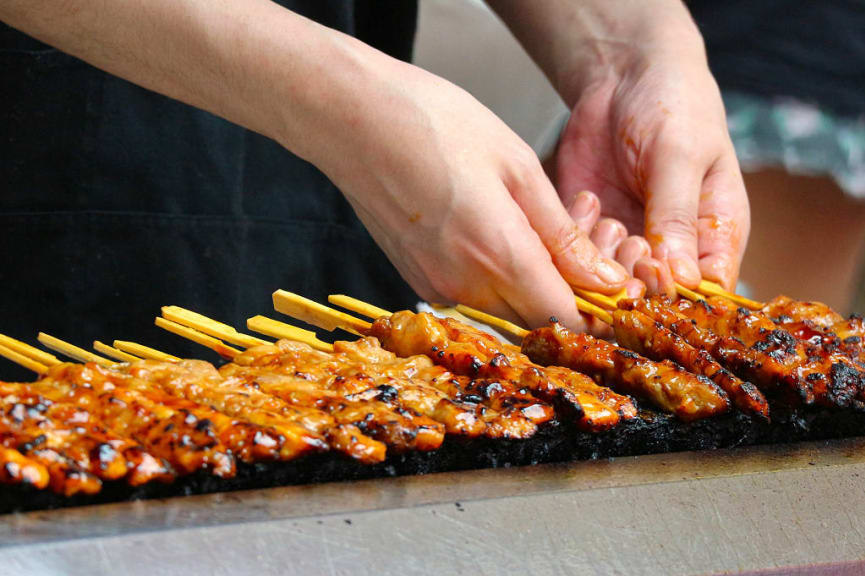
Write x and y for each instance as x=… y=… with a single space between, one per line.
x=791 y=508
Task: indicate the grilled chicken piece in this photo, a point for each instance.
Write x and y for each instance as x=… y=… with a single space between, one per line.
x=200 y=382
x=636 y=331
x=769 y=373
x=818 y=325
x=664 y=383
x=303 y=377
x=788 y=310
x=65 y=476
x=15 y=468
x=187 y=435
x=73 y=431
x=834 y=379
x=467 y=351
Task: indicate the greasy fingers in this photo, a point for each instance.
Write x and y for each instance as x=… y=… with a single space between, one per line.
x=724 y=222
x=672 y=194
x=573 y=253
x=607 y=236
x=585 y=210
x=632 y=249
x=655 y=275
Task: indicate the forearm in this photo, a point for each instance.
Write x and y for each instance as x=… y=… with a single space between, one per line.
x=253 y=63
x=576 y=41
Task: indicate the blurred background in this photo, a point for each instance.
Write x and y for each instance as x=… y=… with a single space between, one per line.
x=792 y=73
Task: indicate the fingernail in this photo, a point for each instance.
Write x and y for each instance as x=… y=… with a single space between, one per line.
x=685 y=270
x=611 y=272
x=582 y=205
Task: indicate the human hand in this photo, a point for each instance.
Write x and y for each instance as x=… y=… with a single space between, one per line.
x=459 y=203
x=651 y=141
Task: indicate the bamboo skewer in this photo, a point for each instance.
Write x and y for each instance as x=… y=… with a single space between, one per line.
x=490 y=320
x=144 y=351
x=211 y=327
x=712 y=289
x=685 y=292
x=29 y=351
x=114 y=352
x=317 y=314
x=594 y=310
x=73 y=351
x=23 y=360
x=214 y=344
x=277 y=329
x=358 y=306
x=610 y=302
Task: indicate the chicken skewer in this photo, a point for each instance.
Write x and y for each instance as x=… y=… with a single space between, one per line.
x=833 y=377
x=689 y=396
x=363 y=370
x=467 y=351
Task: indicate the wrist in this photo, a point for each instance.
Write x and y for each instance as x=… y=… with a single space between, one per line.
x=626 y=48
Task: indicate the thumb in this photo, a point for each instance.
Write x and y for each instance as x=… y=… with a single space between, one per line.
x=576 y=257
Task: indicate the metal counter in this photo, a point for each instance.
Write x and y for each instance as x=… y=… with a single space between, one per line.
x=796 y=508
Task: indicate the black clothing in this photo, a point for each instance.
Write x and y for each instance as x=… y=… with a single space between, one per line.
x=116 y=200
x=813 y=50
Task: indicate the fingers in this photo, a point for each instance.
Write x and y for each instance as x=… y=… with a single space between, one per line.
x=724 y=222
x=632 y=249
x=573 y=253
x=607 y=236
x=655 y=275
x=585 y=209
x=672 y=205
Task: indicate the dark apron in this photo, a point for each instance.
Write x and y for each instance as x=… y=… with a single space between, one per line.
x=116 y=201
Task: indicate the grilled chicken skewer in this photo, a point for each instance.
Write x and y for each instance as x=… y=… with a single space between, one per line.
x=666 y=384
x=754 y=348
x=834 y=379
x=82 y=438
x=468 y=351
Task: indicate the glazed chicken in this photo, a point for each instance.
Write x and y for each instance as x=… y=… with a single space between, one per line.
x=664 y=383
x=754 y=348
x=468 y=351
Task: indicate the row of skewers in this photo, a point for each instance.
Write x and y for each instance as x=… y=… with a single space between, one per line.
x=406 y=384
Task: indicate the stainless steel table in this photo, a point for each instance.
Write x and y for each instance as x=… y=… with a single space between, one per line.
x=795 y=508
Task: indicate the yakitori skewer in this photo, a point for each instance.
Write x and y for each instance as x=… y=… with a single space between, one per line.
x=467 y=351
x=214 y=344
x=688 y=395
x=143 y=351
x=73 y=351
x=212 y=327
x=23 y=360
x=113 y=352
x=277 y=329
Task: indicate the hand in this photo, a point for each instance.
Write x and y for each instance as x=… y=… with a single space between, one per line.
x=459 y=203
x=652 y=143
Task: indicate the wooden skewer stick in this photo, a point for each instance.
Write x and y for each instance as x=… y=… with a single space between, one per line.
x=685 y=292
x=712 y=289
x=73 y=351
x=359 y=306
x=22 y=360
x=277 y=329
x=594 y=310
x=114 y=352
x=494 y=321
x=144 y=351
x=29 y=351
x=214 y=344
x=211 y=327
x=602 y=300
x=317 y=314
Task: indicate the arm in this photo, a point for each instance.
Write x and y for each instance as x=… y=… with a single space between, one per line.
x=457 y=201
x=648 y=129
